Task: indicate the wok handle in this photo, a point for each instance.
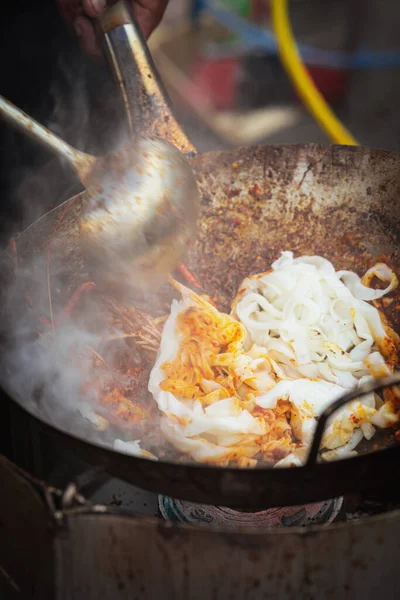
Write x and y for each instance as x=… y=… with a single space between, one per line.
x=147 y=105
x=375 y=386
x=81 y=162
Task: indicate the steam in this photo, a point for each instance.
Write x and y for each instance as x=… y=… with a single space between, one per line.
x=40 y=368
x=70 y=118
x=43 y=379
x=47 y=371
x=83 y=107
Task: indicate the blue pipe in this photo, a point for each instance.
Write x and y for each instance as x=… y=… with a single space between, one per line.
x=197 y=7
x=254 y=37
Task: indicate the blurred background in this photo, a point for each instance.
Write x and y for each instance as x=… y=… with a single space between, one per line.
x=219 y=62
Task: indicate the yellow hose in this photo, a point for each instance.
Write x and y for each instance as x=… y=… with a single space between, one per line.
x=302 y=81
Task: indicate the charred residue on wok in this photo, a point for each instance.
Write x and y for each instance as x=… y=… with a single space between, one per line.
x=255 y=203
x=255 y=207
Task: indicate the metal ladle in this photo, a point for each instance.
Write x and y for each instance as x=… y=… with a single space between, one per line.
x=141 y=200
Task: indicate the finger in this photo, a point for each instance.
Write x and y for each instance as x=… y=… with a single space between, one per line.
x=69 y=10
x=94 y=7
x=149 y=14
x=85 y=31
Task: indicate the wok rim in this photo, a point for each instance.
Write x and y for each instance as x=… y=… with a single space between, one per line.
x=194 y=465
x=352 y=462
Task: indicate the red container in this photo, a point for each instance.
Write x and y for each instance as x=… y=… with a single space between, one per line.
x=213 y=82
x=332 y=83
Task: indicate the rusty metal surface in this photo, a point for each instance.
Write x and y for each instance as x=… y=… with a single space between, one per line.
x=114 y=557
x=110 y=556
x=342 y=203
x=339 y=202
x=328 y=200
x=26 y=559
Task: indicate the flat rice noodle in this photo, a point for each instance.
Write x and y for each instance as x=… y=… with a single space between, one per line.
x=133 y=449
x=202 y=450
x=309 y=338
x=346 y=449
x=361 y=291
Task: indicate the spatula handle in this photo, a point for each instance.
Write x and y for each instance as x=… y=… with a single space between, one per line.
x=373 y=387
x=81 y=162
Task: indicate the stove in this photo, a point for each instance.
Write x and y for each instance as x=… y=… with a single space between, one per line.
x=140 y=503
x=320 y=513
x=126 y=543
x=137 y=502
x=59 y=467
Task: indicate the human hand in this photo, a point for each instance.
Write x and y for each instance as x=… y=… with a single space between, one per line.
x=78 y=14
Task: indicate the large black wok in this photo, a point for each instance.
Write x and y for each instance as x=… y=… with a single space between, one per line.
x=338 y=202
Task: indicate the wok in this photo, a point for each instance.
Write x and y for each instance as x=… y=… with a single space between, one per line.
x=338 y=202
